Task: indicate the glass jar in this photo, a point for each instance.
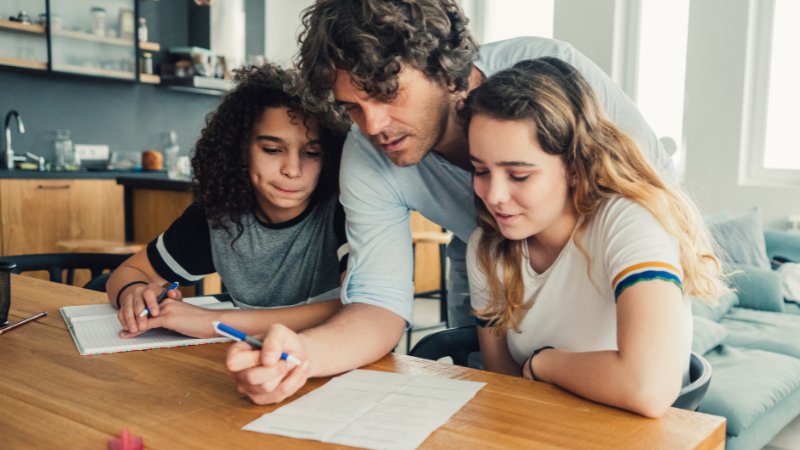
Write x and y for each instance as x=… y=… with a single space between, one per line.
x=98 y=21
x=66 y=159
x=171 y=156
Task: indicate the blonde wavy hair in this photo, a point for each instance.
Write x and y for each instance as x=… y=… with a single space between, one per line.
x=603 y=161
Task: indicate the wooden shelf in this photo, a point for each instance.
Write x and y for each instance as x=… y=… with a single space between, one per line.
x=149 y=78
x=17 y=26
x=24 y=63
x=150 y=46
x=83 y=70
x=80 y=35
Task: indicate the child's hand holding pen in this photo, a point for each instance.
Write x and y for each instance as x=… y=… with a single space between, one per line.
x=141 y=301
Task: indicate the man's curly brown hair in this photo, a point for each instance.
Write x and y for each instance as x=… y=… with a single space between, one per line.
x=370 y=39
x=221 y=183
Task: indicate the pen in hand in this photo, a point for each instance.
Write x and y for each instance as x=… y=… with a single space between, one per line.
x=160 y=298
x=233 y=333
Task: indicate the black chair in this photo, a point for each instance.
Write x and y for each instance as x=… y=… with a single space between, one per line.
x=56 y=263
x=457 y=343
x=441 y=239
x=699 y=379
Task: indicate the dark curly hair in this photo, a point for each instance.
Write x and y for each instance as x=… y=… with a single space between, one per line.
x=221 y=183
x=371 y=38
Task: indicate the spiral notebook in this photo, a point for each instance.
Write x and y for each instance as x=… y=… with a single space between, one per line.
x=95 y=329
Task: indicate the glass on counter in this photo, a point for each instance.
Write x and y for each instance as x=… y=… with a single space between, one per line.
x=66 y=158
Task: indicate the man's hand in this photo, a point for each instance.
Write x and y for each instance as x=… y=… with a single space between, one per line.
x=262 y=375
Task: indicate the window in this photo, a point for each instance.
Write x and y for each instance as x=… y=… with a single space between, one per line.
x=655 y=76
x=495 y=20
x=773 y=94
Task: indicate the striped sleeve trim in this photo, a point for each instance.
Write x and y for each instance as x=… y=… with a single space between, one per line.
x=646 y=272
x=173 y=264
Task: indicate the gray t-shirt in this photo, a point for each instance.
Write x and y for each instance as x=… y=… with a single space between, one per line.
x=269 y=265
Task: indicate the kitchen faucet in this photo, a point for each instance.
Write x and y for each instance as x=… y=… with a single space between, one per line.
x=10 y=158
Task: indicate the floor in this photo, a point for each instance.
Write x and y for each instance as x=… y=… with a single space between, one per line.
x=788 y=438
x=426 y=311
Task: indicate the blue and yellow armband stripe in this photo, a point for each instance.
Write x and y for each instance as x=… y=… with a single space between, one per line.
x=645 y=272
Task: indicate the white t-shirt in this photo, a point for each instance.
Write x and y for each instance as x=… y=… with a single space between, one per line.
x=572 y=312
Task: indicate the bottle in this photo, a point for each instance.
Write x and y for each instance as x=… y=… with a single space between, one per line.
x=171 y=156
x=147 y=63
x=142 y=31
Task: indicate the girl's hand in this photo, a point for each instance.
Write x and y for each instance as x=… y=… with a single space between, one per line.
x=133 y=301
x=180 y=317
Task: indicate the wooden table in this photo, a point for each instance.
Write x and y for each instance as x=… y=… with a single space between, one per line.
x=52 y=397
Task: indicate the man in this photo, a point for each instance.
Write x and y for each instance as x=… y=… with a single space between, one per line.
x=399 y=70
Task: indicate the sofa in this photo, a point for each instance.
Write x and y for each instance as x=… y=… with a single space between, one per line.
x=752 y=340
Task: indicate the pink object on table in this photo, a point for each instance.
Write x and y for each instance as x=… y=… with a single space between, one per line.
x=126 y=441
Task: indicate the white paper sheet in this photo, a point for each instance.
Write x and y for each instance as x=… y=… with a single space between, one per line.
x=370 y=409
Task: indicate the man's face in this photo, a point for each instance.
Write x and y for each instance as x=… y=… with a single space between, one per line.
x=406 y=127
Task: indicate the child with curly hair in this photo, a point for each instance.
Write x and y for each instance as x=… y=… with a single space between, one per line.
x=265 y=216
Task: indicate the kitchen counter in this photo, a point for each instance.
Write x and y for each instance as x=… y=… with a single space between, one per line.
x=152 y=180
x=81 y=174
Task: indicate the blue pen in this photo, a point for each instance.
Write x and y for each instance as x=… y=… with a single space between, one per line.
x=160 y=297
x=233 y=333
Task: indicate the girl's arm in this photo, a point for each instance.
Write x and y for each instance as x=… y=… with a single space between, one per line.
x=495 y=354
x=198 y=322
x=644 y=375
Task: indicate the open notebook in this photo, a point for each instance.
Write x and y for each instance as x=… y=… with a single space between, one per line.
x=95 y=329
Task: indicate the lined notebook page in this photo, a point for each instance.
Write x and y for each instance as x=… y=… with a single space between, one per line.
x=95 y=329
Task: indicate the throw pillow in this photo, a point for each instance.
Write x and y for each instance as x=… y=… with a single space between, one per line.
x=758 y=288
x=715 y=312
x=707 y=335
x=741 y=238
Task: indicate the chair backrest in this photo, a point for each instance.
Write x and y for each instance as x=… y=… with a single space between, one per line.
x=699 y=379
x=459 y=343
x=456 y=343
x=56 y=263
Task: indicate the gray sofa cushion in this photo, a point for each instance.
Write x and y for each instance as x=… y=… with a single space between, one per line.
x=758 y=288
x=715 y=312
x=747 y=383
x=741 y=237
x=707 y=335
x=763 y=330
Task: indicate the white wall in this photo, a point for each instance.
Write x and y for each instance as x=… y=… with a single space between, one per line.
x=589 y=26
x=715 y=74
x=282 y=25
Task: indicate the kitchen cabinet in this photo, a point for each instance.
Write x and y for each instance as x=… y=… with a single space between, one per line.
x=427 y=264
x=81 y=37
x=150 y=208
x=37 y=213
x=23 y=45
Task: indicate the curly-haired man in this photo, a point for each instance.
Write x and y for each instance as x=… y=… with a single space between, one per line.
x=398 y=69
